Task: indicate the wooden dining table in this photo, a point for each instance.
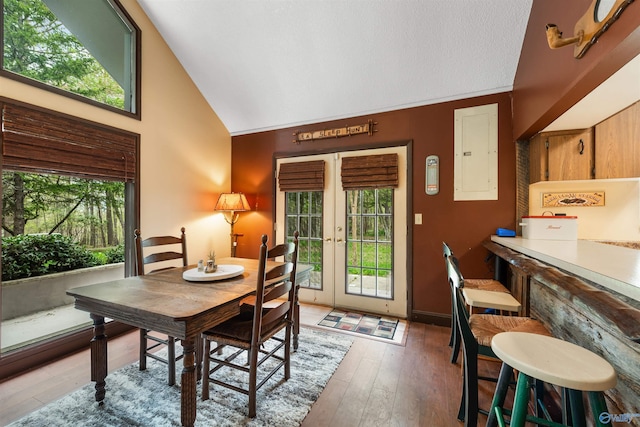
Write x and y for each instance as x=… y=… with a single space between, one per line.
x=166 y=303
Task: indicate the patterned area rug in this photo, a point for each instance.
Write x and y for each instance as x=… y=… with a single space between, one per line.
x=367 y=324
x=143 y=398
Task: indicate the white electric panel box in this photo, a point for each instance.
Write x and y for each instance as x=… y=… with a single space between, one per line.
x=475 y=172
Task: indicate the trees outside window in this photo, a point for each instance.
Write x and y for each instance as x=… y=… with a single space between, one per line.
x=88 y=213
x=82 y=47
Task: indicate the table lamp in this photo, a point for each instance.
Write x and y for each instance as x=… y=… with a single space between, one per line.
x=230 y=204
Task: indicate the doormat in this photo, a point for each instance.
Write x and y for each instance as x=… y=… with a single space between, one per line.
x=368 y=324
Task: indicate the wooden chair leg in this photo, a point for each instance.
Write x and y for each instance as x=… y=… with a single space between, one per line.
x=253 y=378
x=171 y=359
x=143 y=349
x=296 y=319
x=205 y=369
x=287 y=353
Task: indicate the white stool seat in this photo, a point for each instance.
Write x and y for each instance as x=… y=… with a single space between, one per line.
x=490 y=299
x=554 y=361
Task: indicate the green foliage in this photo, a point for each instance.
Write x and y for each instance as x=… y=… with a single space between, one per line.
x=37 y=255
x=115 y=254
x=37 y=45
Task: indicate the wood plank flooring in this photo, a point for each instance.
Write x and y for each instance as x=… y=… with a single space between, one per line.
x=377 y=383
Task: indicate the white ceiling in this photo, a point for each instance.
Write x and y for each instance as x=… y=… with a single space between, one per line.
x=270 y=64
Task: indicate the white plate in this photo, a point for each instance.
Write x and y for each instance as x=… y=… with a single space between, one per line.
x=225 y=271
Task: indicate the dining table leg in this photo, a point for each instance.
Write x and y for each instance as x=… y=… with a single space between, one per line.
x=188 y=387
x=98 y=347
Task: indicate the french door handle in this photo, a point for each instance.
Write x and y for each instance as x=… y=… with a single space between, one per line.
x=338 y=240
x=327 y=239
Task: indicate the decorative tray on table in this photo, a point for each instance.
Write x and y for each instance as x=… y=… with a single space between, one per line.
x=224 y=271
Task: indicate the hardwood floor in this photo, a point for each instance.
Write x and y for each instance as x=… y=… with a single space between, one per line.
x=377 y=383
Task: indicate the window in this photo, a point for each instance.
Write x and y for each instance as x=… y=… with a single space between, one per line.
x=46 y=144
x=84 y=49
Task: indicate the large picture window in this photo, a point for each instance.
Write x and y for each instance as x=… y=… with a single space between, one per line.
x=85 y=49
x=70 y=205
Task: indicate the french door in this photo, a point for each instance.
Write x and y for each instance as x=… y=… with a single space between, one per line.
x=356 y=240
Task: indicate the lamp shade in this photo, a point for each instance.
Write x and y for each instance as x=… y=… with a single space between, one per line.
x=232 y=202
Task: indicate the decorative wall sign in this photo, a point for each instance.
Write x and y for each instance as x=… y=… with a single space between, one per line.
x=335 y=133
x=550 y=200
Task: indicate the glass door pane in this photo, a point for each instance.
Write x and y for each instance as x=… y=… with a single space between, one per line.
x=304 y=213
x=370 y=243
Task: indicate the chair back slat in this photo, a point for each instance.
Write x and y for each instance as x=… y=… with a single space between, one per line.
x=159 y=243
x=280 y=250
x=279 y=273
x=276 y=313
x=277 y=291
x=162 y=256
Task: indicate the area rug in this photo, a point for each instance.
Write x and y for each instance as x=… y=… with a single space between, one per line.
x=143 y=398
x=367 y=324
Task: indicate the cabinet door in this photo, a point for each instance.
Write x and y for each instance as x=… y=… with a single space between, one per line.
x=561 y=155
x=618 y=145
x=571 y=156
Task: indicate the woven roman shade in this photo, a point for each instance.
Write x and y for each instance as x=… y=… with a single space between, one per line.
x=301 y=176
x=43 y=141
x=364 y=172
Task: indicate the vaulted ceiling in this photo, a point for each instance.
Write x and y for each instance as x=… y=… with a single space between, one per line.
x=269 y=64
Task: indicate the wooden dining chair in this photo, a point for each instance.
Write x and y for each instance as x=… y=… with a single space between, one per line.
x=476 y=332
x=254 y=330
x=273 y=254
x=162 y=252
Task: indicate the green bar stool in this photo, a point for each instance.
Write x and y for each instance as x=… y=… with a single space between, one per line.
x=553 y=361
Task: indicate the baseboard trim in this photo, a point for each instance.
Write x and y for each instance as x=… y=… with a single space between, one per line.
x=428 y=317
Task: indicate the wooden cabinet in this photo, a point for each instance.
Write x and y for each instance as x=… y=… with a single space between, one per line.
x=617 y=145
x=561 y=155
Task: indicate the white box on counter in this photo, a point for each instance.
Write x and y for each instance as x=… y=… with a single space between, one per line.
x=550 y=227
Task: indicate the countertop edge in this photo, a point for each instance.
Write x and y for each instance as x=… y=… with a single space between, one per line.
x=613 y=267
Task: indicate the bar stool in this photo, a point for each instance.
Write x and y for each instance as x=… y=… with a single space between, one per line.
x=480 y=284
x=475 y=296
x=553 y=361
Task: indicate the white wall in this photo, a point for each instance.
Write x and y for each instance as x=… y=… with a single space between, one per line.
x=185 y=148
x=617 y=220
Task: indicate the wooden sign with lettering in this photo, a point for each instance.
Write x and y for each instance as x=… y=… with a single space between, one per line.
x=335 y=133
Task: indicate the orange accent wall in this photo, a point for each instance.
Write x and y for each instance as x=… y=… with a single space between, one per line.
x=549 y=81
x=464 y=225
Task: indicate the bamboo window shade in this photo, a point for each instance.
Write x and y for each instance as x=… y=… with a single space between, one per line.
x=366 y=172
x=301 y=176
x=43 y=141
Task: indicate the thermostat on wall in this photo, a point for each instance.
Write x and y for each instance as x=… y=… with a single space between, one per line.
x=432 y=185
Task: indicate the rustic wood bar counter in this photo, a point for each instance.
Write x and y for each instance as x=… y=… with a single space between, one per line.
x=585 y=292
